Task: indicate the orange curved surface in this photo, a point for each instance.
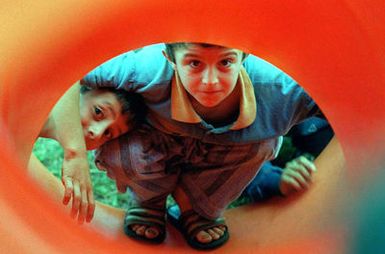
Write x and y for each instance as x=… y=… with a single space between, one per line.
x=300 y=224
x=334 y=49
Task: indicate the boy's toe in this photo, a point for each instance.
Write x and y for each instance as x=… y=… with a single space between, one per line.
x=213 y=234
x=135 y=227
x=151 y=232
x=203 y=237
x=141 y=230
x=219 y=231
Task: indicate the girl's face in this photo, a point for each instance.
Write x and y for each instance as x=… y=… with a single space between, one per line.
x=101 y=118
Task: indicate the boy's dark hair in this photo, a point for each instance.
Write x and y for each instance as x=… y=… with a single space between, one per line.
x=131 y=102
x=171 y=47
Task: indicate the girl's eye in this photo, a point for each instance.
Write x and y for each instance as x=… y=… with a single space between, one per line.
x=195 y=63
x=226 y=62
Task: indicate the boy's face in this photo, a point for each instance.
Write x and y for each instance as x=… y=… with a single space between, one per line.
x=101 y=118
x=209 y=74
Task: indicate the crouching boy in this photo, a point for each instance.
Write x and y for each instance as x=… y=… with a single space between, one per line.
x=215 y=115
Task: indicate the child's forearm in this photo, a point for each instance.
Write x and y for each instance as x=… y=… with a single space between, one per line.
x=38 y=172
x=64 y=123
x=49 y=129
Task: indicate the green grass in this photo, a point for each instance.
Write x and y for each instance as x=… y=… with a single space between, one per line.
x=50 y=153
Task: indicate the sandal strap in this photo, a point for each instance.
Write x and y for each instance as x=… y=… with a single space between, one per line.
x=193 y=223
x=146 y=216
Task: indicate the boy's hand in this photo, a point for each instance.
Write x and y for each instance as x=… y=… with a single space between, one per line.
x=297 y=175
x=77 y=184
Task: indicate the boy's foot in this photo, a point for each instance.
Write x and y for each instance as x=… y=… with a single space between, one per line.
x=147 y=231
x=208 y=234
x=200 y=233
x=145 y=224
x=211 y=234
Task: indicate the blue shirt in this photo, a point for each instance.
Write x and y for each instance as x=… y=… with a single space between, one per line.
x=265 y=184
x=281 y=102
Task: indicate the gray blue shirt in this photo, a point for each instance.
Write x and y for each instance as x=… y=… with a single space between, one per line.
x=281 y=102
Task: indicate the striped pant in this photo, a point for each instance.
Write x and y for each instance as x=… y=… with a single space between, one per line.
x=152 y=163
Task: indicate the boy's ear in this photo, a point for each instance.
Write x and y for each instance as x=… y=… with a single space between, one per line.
x=168 y=59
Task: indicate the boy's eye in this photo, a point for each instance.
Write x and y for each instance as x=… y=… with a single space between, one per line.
x=226 y=62
x=108 y=134
x=195 y=63
x=98 y=112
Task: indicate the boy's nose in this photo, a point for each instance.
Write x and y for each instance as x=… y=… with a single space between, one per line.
x=95 y=132
x=210 y=76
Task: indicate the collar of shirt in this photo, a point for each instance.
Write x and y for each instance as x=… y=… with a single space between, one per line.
x=183 y=111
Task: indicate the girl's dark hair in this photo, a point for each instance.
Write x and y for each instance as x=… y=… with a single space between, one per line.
x=131 y=102
x=171 y=47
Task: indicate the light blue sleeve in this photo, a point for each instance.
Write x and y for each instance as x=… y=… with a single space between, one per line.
x=281 y=102
x=132 y=71
x=115 y=73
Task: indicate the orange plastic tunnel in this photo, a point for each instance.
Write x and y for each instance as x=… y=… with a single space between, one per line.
x=334 y=49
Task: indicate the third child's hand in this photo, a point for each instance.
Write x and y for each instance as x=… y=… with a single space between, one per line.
x=297 y=175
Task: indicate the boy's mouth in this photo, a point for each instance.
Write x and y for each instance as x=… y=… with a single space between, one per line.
x=211 y=91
